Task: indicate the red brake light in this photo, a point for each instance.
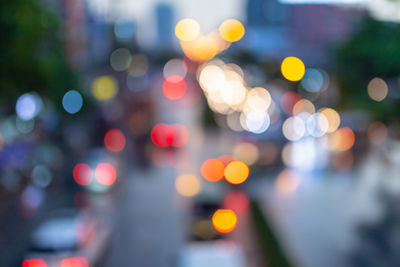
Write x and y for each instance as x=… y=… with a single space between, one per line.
x=74 y=262
x=34 y=263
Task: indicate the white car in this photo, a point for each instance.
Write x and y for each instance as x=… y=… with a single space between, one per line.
x=68 y=238
x=220 y=253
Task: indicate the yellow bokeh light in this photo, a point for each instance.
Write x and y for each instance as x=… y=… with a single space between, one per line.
x=377 y=89
x=293 y=69
x=188 y=185
x=236 y=172
x=202 y=48
x=231 y=30
x=333 y=118
x=224 y=220
x=187 y=30
x=104 y=88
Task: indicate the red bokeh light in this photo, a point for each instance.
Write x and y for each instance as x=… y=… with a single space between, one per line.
x=162 y=135
x=114 y=140
x=288 y=100
x=82 y=174
x=34 y=263
x=237 y=201
x=74 y=262
x=105 y=173
x=181 y=135
x=174 y=87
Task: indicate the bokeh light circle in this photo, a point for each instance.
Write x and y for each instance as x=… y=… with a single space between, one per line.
x=293 y=69
x=257 y=121
x=224 y=220
x=212 y=170
x=246 y=152
x=188 y=185
x=236 y=200
x=72 y=101
x=231 y=30
x=187 y=30
x=83 y=174
x=174 y=87
x=377 y=89
x=114 y=140
x=28 y=106
x=105 y=174
x=236 y=172
x=162 y=135
x=120 y=59
x=175 y=66
x=344 y=139
x=315 y=80
x=181 y=135
x=294 y=128
x=333 y=118
x=288 y=101
x=104 y=88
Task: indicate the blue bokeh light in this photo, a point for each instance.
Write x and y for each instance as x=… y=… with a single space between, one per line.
x=72 y=101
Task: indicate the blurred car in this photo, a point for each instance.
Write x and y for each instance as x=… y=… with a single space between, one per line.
x=204 y=206
x=221 y=253
x=68 y=238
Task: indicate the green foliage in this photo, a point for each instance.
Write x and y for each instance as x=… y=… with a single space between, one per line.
x=274 y=254
x=372 y=51
x=31 y=52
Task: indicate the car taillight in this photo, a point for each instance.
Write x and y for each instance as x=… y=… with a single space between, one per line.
x=74 y=262
x=34 y=263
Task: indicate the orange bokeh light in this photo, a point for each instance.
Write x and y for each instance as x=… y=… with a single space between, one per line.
x=74 y=262
x=34 y=263
x=105 y=173
x=174 y=87
x=212 y=170
x=82 y=174
x=114 y=140
x=236 y=172
x=344 y=139
x=224 y=220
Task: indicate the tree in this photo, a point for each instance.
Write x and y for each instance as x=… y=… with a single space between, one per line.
x=372 y=51
x=31 y=52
